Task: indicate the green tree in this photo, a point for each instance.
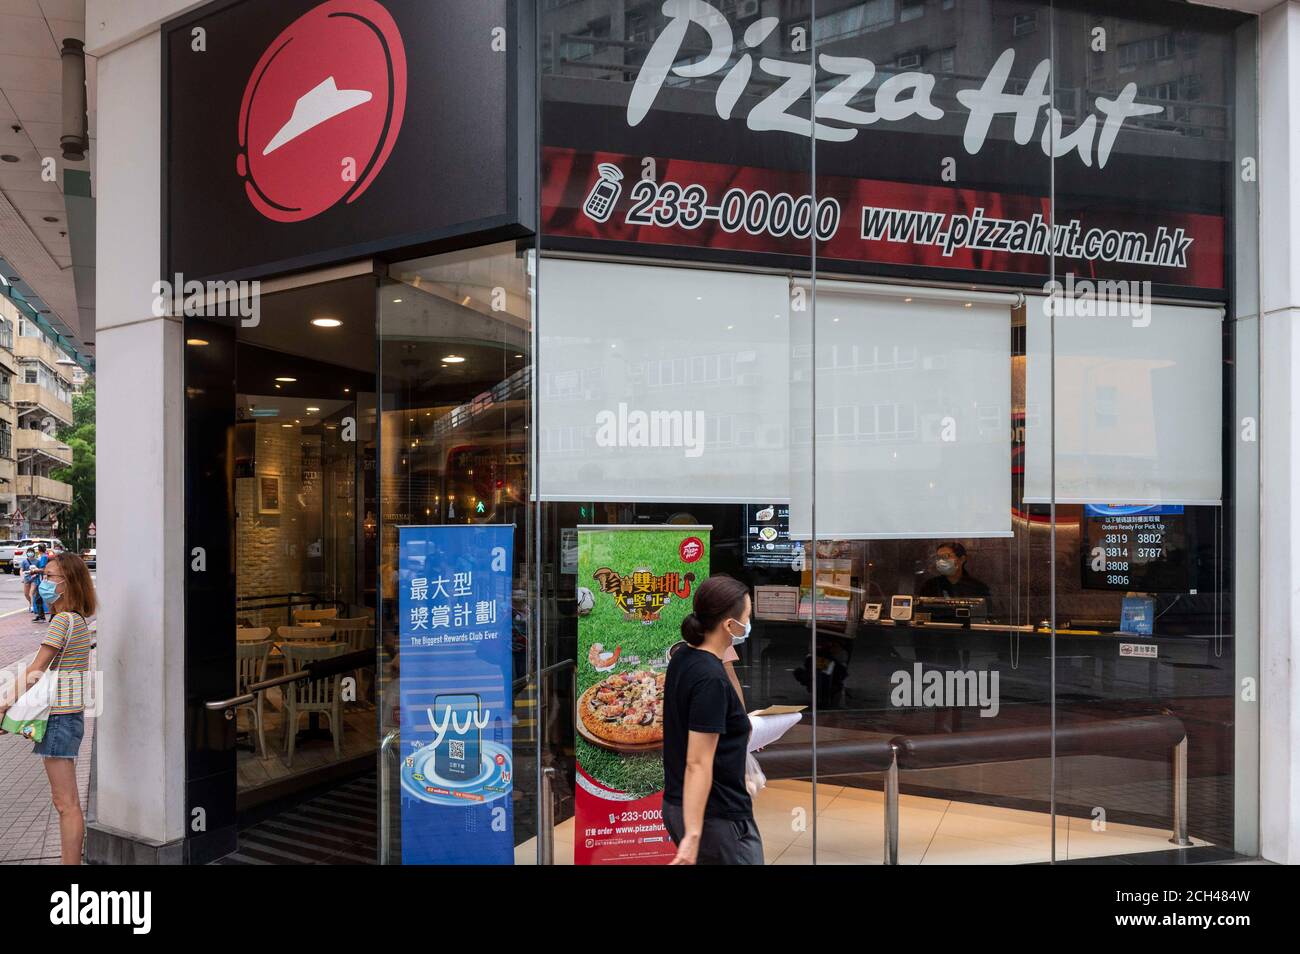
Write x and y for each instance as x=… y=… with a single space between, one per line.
x=81 y=475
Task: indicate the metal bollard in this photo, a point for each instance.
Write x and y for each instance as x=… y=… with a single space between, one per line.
x=891 y=808
x=1180 y=795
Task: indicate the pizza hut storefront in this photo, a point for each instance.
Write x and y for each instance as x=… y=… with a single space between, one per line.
x=946 y=376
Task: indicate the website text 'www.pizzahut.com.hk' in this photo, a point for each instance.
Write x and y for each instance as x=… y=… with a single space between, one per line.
x=1166 y=248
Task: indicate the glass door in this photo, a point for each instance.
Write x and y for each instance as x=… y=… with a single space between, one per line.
x=462 y=744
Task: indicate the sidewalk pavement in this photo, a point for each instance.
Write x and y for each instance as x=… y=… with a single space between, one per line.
x=29 y=825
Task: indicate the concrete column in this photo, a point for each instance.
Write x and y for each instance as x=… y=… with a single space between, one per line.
x=140 y=767
x=1279 y=695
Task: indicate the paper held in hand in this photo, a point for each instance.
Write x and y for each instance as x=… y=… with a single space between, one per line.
x=768 y=725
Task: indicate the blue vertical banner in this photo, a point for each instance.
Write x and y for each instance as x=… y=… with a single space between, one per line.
x=454 y=606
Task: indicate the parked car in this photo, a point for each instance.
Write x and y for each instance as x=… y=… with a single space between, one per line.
x=7 y=556
x=88 y=557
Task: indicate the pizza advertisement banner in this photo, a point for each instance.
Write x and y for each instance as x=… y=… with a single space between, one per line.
x=635 y=586
x=708 y=206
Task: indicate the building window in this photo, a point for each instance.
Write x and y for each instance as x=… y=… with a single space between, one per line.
x=911 y=10
x=29 y=376
x=908 y=61
x=862 y=18
x=1023 y=24
x=1142 y=51
x=6 y=441
x=947 y=59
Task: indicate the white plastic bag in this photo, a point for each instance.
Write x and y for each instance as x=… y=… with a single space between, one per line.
x=755 y=780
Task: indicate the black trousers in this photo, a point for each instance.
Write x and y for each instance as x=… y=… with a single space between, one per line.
x=724 y=841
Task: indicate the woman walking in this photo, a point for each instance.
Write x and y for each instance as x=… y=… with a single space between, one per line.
x=707 y=809
x=67 y=591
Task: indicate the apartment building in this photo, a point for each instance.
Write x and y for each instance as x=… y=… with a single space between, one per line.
x=9 y=319
x=42 y=403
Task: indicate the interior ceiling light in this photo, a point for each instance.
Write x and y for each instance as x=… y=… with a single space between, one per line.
x=51 y=218
x=7 y=157
x=312 y=410
x=453 y=359
x=287 y=380
x=326 y=322
x=196 y=342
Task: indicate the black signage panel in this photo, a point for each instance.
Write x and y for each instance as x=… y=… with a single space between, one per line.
x=1137 y=549
x=300 y=132
x=1010 y=153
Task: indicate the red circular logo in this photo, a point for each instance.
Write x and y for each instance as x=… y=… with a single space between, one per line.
x=322 y=110
x=691 y=549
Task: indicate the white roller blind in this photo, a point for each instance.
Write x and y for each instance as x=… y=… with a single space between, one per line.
x=1139 y=405
x=913 y=394
x=662 y=384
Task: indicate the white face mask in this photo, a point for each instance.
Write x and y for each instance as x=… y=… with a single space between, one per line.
x=737 y=640
x=945 y=566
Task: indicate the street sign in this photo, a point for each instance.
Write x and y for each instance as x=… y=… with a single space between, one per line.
x=91 y=531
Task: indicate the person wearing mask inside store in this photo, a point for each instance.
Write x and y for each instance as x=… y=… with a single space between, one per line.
x=953 y=580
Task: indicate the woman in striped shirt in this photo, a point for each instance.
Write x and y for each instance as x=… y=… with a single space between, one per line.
x=69 y=593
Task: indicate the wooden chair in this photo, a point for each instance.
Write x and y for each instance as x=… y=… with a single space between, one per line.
x=359 y=633
x=313 y=615
x=317 y=695
x=252 y=634
x=303 y=634
x=250 y=667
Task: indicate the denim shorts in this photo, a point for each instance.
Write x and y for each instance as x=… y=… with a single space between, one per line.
x=62 y=736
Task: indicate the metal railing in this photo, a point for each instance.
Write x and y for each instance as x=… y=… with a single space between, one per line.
x=320 y=669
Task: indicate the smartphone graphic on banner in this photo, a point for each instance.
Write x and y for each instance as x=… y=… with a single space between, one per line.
x=459 y=754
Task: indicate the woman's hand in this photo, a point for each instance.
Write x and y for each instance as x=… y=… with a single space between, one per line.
x=687 y=850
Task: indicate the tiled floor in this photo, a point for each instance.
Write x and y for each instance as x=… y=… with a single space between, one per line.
x=931 y=831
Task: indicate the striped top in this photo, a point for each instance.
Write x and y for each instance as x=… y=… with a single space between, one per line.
x=69 y=635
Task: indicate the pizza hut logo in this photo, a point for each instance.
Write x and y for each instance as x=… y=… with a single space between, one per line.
x=691 y=549
x=322 y=110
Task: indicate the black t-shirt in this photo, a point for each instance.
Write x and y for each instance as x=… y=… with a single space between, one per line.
x=965 y=588
x=699 y=697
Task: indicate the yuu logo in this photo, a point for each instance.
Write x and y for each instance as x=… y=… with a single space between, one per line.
x=473 y=720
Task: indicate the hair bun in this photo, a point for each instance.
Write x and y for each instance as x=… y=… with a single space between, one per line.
x=692 y=630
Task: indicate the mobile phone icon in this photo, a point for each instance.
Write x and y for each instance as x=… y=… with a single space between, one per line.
x=458 y=756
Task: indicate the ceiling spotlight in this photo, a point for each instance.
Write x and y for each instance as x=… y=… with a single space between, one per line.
x=453 y=359
x=287 y=380
x=326 y=322
x=196 y=342
x=397 y=301
x=312 y=410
